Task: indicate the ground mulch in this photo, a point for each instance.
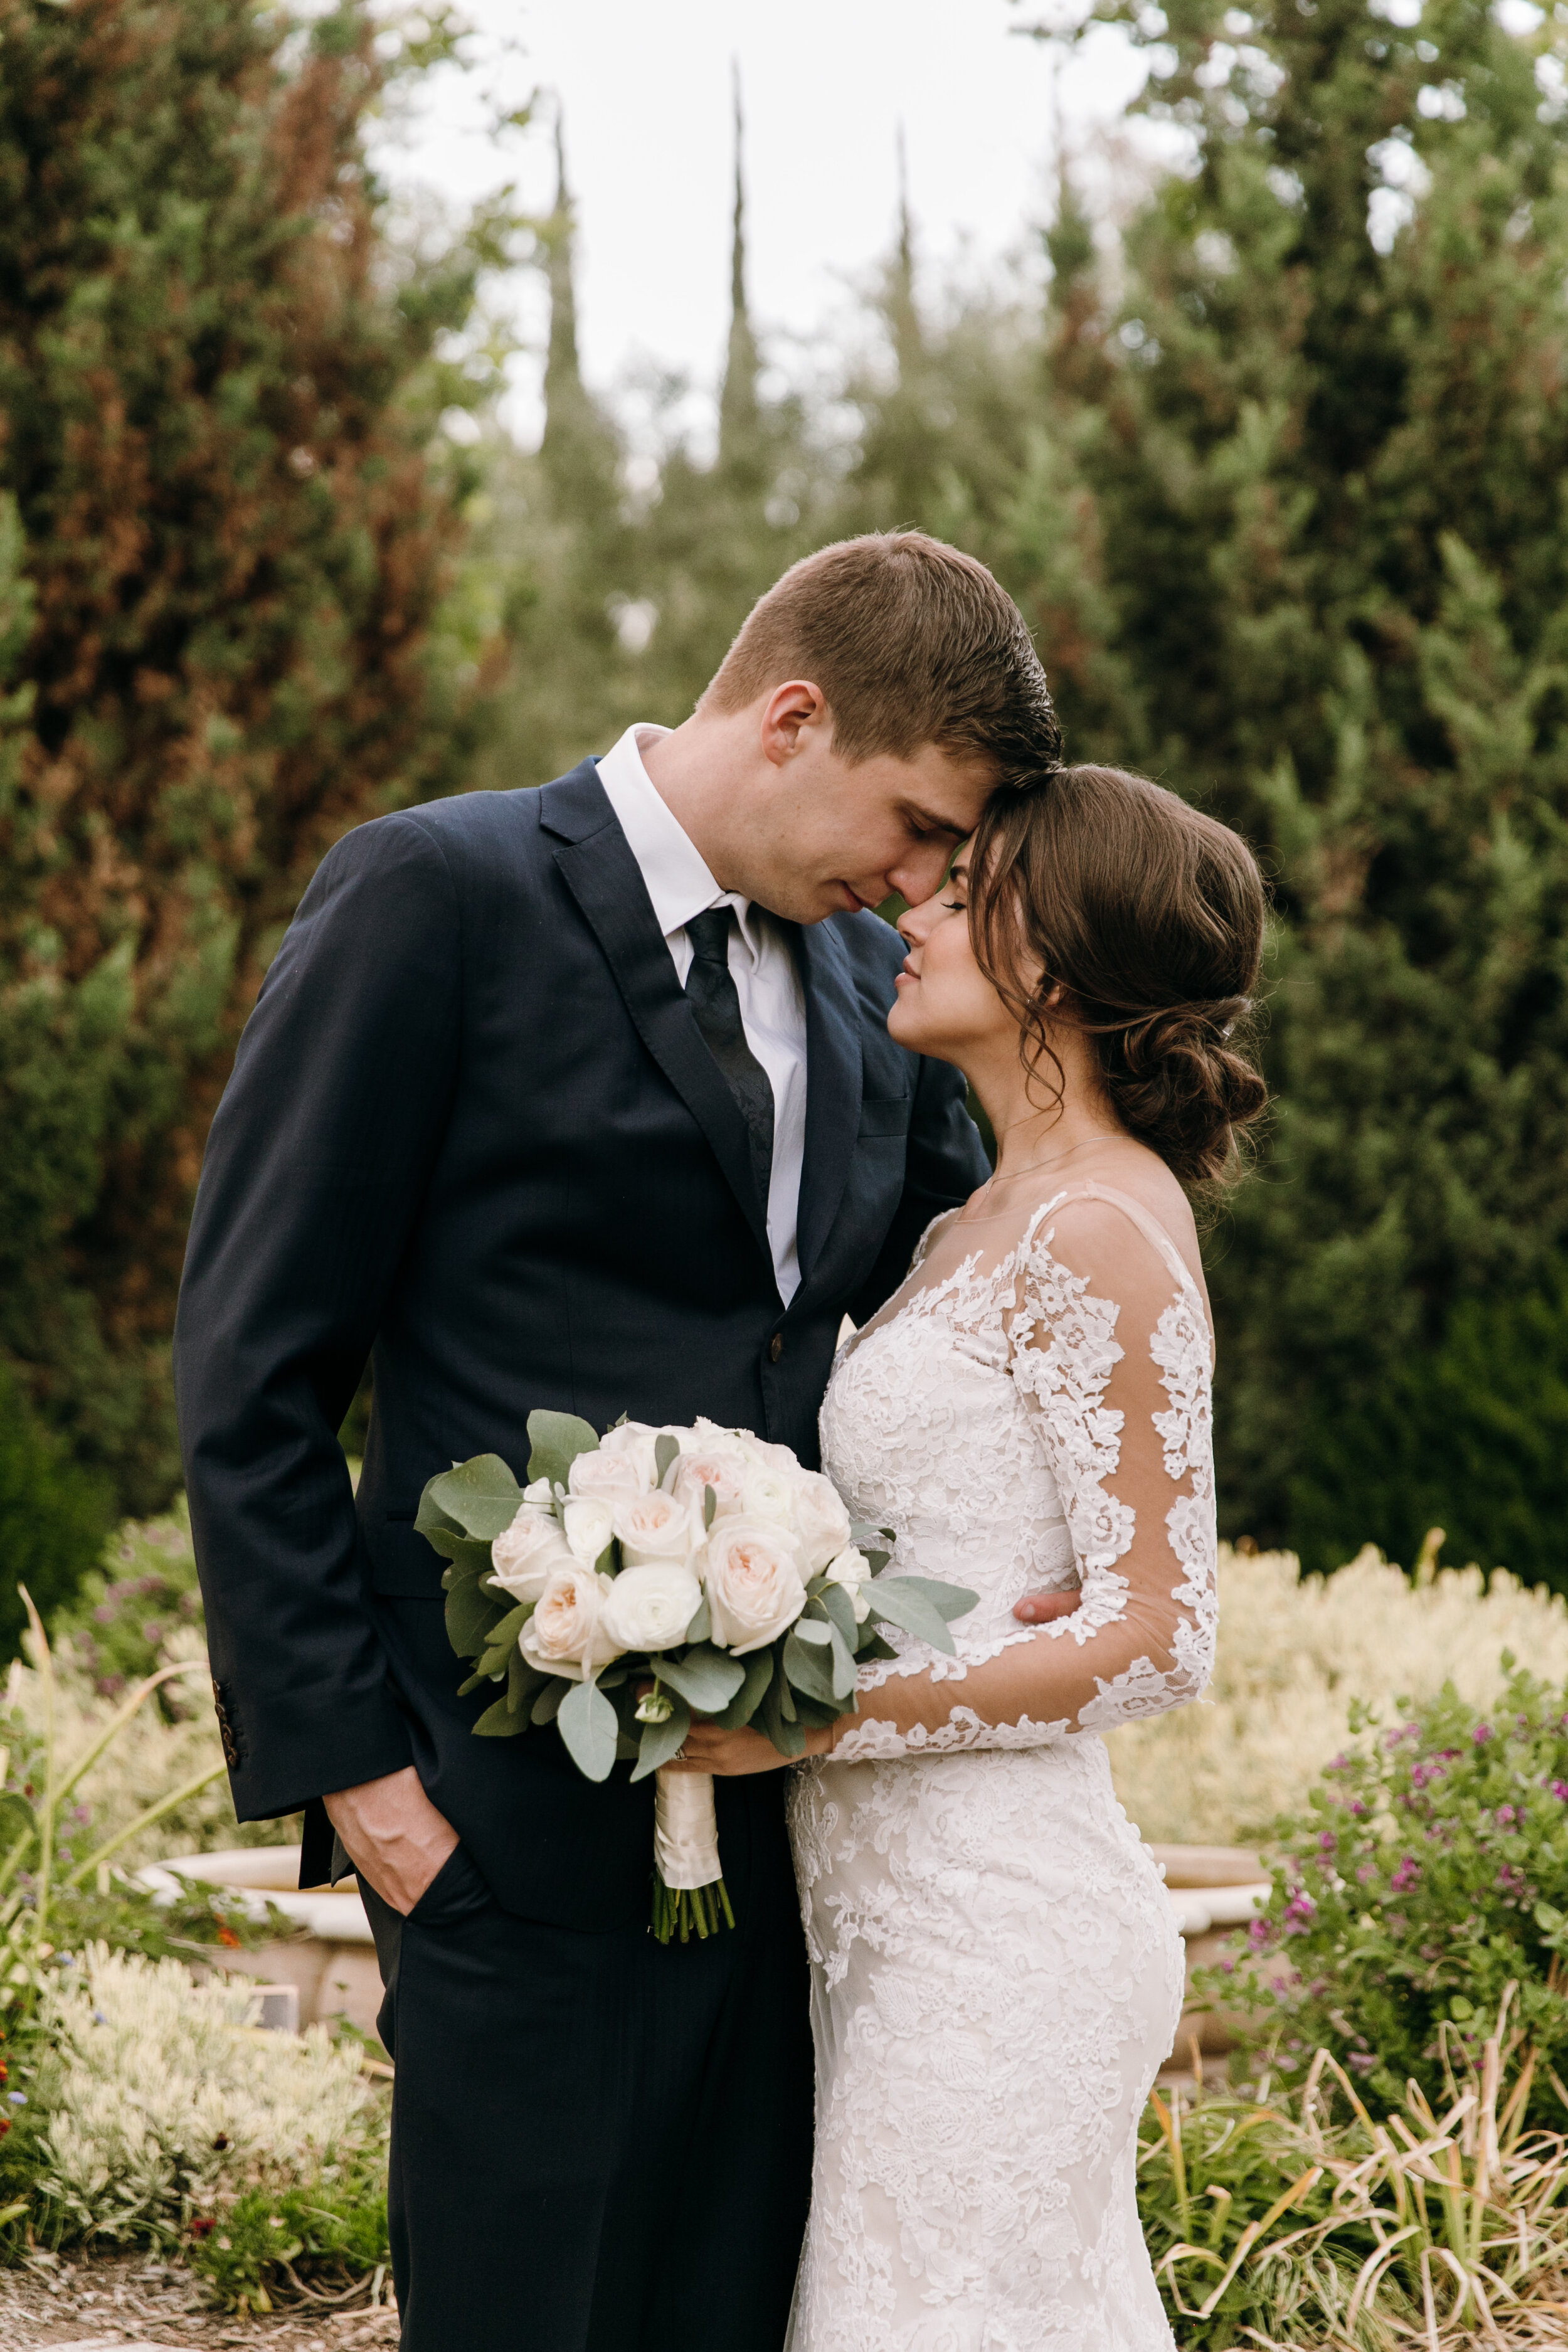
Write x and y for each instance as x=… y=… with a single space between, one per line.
x=127 y=2304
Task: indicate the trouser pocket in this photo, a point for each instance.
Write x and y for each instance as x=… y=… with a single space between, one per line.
x=458 y=1890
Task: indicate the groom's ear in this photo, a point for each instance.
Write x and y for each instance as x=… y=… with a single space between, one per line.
x=795 y=718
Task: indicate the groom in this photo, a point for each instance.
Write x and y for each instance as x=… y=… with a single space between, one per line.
x=578 y=1097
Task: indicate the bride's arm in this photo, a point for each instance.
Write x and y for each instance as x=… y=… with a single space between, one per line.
x=1112 y=1356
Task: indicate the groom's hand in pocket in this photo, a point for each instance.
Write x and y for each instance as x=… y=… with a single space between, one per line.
x=1037 y=1608
x=393 y=1834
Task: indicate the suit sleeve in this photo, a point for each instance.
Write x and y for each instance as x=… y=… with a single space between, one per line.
x=946 y=1160
x=317 y=1164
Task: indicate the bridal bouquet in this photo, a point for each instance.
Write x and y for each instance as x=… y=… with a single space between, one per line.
x=650 y=1575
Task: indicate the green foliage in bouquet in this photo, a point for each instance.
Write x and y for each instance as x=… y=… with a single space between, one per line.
x=1427 y=1877
x=805 y=1681
x=623 y=1678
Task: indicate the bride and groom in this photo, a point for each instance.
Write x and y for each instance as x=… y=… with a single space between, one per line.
x=611 y=1096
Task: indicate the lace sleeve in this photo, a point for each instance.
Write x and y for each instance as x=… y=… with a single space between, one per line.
x=1109 y=1347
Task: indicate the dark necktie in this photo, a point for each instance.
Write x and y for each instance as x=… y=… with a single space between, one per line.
x=712 y=993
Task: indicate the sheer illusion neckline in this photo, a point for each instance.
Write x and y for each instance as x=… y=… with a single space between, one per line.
x=969 y=1279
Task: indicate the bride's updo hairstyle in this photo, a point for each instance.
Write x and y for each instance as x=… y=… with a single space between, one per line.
x=1149 y=917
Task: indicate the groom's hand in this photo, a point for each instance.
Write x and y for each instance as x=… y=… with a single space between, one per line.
x=393 y=1834
x=1036 y=1609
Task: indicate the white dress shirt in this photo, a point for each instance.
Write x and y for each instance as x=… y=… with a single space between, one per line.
x=761 y=965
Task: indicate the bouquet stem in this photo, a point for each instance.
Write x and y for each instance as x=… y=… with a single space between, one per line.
x=689 y=1896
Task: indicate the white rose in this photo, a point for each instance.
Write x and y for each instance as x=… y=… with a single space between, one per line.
x=636 y=1440
x=538 y=1491
x=588 y=1527
x=781 y=1459
x=524 y=1555
x=606 y=1477
x=567 y=1632
x=768 y=1495
x=852 y=1570
x=650 y=1608
x=707 y=1466
x=754 y=1588
x=653 y=1527
x=821 y=1522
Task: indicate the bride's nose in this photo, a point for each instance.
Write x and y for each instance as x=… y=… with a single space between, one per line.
x=914 y=924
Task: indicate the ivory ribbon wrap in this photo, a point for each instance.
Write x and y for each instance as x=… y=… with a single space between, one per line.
x=685 y=1829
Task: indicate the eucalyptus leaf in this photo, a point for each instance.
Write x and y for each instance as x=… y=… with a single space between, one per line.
x=709 y=1507
x=468 y=1555
x=471 y=1610
x=840 y=1610
x=815 y=1629
x=779 y=1726
x=706 y=1679
x=872 y=1645
x=922 y=1605
x=556 y=1439
x=480 y=1495
x=587 y=1724
x=430 y=1519
x=949 y=1600
x=661 y=1740
x=524 y=1684
x=665 y=1450
x=759 y=1666
x=547 y=1706
x=701 y=1625
x=843 y=1666
x=499 y=1722
x=810 y=1669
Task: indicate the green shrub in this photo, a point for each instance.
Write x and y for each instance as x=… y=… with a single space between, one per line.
x=117 y=1627
x=54 y=1516
x=1428 y=1874
x=332 y=2231
x=1471 y=1435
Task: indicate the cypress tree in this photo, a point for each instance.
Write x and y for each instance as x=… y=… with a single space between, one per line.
x=223 y=541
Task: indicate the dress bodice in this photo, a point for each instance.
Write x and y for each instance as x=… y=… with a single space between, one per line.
x=1040 y=1418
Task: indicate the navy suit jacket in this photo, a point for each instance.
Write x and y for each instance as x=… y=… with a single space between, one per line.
x=474 y=1135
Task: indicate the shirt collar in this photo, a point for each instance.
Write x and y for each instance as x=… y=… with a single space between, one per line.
x=674 y=870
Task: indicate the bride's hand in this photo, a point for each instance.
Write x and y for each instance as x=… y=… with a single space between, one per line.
x=729 y=1753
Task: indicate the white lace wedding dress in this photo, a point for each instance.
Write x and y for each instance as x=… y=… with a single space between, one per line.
x=995 y=1971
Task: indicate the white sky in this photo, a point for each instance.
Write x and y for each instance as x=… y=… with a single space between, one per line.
x=826 y=85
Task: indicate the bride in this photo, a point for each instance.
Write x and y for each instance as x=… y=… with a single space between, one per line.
x=995 y=1972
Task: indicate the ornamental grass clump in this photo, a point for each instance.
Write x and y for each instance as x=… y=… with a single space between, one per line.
x=1427 y=1874
x=1307 y=2219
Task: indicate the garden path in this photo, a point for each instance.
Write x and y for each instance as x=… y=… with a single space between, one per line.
x=124 y=2303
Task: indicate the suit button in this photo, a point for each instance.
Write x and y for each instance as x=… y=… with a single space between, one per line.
x=775 y=1346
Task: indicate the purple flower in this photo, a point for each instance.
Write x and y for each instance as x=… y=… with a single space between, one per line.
x=1406 y=1877
x=1481 y=1733
x=1367 y=1873
x=1559 y=1790
x=1259 y=1934
x=1300 y=1913
x=1363 y=2061
x=1327 y=1841
x=1359 y=1810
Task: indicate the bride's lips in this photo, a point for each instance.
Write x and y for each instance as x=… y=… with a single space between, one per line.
x=908 y=977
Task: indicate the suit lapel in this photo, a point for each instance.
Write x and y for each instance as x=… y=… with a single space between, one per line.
x=832 y=1087
x=598 y=868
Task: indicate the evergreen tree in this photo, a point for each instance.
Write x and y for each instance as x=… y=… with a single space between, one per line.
x=1326 y=450
x=223 y=541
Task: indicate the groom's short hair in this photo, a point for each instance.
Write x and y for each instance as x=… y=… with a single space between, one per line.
x=909 y=642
